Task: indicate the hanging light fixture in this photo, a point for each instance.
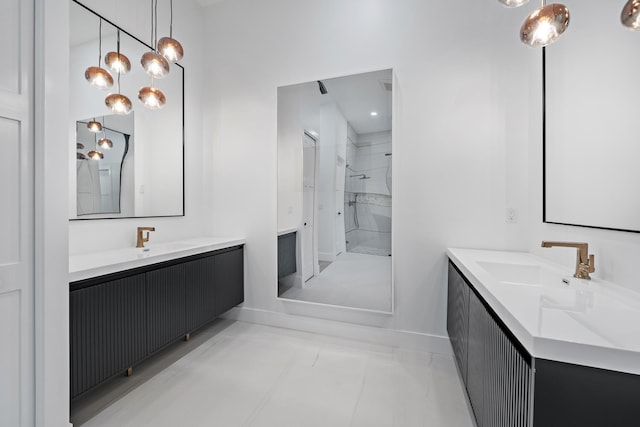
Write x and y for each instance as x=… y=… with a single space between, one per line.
x=630 y=16
x=118 y=103
x=545 y=25
x=152 y=97
x=94 y=126
x=169 y=47
x=152 y=62
x=105 y=143
x=98 y=76
x=95 y=154
x=514 y=3
x=116 y=61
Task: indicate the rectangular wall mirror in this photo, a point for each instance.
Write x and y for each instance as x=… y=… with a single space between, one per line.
x=142 y=173
x=591 y=144
x=335 y=191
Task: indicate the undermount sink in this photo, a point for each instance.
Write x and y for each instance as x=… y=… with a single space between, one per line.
x=522 y=274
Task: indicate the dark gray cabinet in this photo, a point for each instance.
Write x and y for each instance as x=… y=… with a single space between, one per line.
x=107 y=331
x=507 y=387
x=200 y=293
x=228 y=269
x=119 y=320
x=165 y=292
x=493 y=369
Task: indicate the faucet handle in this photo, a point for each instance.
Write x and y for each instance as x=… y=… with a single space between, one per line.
x=592 y=265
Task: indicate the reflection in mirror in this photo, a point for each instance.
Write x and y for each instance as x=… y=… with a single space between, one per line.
x=150 y=178
x=335 y=191
x=591 y=146
x=99 y=177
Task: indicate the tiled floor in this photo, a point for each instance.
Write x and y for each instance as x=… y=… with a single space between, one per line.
x=353 y=280
x=259 y=376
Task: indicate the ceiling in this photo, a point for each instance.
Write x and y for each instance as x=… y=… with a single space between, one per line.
x=356 y=97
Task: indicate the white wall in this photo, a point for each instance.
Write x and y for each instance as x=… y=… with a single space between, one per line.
x=188 y=26
x=463 y=92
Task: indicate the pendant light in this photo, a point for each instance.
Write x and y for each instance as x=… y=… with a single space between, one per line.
x=118 y=103
x=545 y=25
x=169 y=47
x=94 y=126
x=95 y=154
x=151 y=97
x=98 y=76
x=152 y=62
x=630 y=16
x=104 y=142
x=514 y=3
x=116 y=61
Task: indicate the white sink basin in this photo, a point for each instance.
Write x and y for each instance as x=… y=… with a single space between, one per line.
x=522 y=274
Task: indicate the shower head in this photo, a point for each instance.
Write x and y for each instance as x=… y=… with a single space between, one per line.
x=361 y=175
x=322 y=88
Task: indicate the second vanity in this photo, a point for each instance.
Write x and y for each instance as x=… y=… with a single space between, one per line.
x=537 y=347
x=127 y=305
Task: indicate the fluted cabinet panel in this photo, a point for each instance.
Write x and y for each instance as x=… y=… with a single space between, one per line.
x=229 y=279
x=497 y=371
x=165 y=306
x=107 y=331
x=200 y=293
x=458 y=318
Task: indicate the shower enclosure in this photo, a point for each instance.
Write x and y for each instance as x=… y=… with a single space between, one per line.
x=367 y=197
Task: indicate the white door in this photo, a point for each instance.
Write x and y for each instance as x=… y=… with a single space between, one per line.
x=308 y=206
x=341 y=241
x=17 y=395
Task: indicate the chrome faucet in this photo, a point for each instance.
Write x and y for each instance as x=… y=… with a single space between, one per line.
x=141 y=238
x=584 y=261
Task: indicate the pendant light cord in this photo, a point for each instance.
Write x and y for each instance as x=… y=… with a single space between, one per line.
x=171 y=18
x=100 y=44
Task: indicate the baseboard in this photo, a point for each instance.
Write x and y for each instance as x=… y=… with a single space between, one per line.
x=393 y=337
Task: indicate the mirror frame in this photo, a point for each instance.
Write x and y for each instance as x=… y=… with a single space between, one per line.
x=544 y=160
x=182 y=117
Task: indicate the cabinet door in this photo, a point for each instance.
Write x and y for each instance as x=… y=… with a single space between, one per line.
x=165 y=306
x=200 y=293
x=478 y=319
x=458 y=318
x=507 y=376
x=107 y=331
x=228 y=279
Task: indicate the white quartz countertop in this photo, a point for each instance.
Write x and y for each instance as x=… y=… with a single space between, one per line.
x=94 y=264
x=587 y=322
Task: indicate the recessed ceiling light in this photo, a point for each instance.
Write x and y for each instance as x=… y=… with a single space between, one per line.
x=374 y=113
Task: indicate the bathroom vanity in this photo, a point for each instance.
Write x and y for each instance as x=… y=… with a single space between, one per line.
x=536 y=347
x=127 y=305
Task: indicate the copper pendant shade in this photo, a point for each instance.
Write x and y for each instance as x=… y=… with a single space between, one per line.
x=94 y=126
x=95 y=155
x=105 y=143
x=514 y=3
x=98 y=77
x=118 y=103
x=171 y=49
x=630 y=16
x=152 y=97
x=117 y=62
x=545 y=25
x=155 y=65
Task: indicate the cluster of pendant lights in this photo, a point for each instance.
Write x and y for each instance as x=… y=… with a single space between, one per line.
x=104 y=143
x=546 y=24
x=155 y=63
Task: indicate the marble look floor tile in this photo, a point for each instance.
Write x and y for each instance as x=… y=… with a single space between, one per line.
x=257 y=376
